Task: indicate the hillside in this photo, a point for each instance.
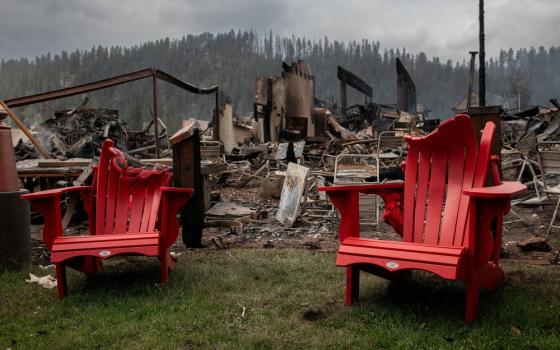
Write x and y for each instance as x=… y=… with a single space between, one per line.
x=233 y=60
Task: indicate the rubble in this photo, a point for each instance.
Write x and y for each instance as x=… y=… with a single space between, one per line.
x=258 y=174
x=535 y=243
x=79 y=133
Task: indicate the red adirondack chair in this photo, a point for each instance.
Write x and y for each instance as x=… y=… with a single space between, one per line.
x=130 y=209
x=442 y=210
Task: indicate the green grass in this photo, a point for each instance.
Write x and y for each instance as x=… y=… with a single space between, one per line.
x=292 y=299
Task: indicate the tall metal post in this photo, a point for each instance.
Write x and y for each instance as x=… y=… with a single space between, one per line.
x=481 y=57
x=155 y=112
x=216 y=127
x=471 y=80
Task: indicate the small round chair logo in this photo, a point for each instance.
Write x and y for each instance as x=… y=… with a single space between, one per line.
x=392 y=264
x=104 y=253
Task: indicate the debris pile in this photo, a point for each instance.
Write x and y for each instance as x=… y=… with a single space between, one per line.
x=79 y=133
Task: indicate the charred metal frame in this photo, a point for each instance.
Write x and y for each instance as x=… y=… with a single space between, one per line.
x=348 y=78
x=406 y=90
x=154 y=73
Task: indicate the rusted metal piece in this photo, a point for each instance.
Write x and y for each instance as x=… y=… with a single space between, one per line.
x=114 y=81
x=21 y=125
x=348 y=78
x=106 y=83
x=406 y=90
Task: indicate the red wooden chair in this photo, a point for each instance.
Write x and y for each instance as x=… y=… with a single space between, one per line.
x=442 y=210
x=131 y=211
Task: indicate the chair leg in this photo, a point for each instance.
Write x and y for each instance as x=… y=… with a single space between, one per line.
x=164 y=267
x=471 y=305
x=554 y=216
x=61 y=284
x=352 y=285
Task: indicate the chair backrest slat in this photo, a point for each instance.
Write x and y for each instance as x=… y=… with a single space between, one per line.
x=411 y=174
x=435 y=196
x=112 y=187
x=455 y=171
x=101 y=188
x=421 y=194
x=121 y=212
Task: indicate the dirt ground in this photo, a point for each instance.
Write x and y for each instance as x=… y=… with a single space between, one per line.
x=264 y=231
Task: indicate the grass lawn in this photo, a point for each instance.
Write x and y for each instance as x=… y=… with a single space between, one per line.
x=273 y=299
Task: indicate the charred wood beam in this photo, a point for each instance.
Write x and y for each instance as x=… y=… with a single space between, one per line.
x=354 y=81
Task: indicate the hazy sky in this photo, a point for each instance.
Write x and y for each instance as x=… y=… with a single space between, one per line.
x=444 y=28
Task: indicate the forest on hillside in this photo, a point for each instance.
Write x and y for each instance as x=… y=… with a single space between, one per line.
x=233 y=60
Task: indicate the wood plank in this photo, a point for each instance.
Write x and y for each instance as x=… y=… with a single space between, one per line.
x=462 y=214
x=121 y=212
x=101 y=188
x=399 y=255
x=151 y=187
x=153 y=214
x=136 y=205
x=70 y=163
x=105 y=244
x=403 y=246
x=411 y=173
x=102 y=238
x=436 y=192
x=149 y=250
x=456 y=163
x=112 y=188
x=421 y=194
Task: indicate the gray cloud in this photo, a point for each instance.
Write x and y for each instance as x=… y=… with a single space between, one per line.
x=443 y=28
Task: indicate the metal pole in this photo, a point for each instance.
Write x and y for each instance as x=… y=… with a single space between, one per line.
x=216 y=128
x=471 y=80
x=481 y=57
x=342 y=98
x=155 y=113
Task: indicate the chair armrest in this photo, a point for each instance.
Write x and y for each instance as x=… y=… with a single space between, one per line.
x=47 y=203
x=506 y=190
x=173 y=199
x=490 y=204
x=365 y=188
x=346 y=200
x=55 y=192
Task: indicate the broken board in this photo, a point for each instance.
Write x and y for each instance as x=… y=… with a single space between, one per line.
x=292 y=190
